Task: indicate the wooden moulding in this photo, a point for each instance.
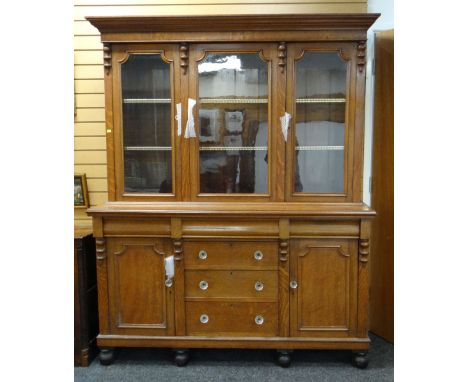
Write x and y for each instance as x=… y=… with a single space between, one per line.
x=232 y=23
x=310 y=228
x=138 y=227
x=226 y=209
x=235 y=342
x=222 y=227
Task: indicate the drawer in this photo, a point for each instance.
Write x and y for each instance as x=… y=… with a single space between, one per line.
x=231 y=255
x=258 y=319
x=232 y=284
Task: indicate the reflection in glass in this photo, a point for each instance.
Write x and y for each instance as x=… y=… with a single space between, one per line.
x=320 y=123
x=233 y=123
x=146 y=107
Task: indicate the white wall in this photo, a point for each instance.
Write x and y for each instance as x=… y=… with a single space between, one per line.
x=384 y=22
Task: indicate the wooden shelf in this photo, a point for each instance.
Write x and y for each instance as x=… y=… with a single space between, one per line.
x=148 y=148
x=236 y=148
x=233 y=100
x=321 y=100
x=147 y=100
x=319 y=148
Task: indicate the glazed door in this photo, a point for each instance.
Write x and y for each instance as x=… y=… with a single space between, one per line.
x=139 y=301
x=323 y=289
x=146 y=91
x=232 y=107
x=321 y=100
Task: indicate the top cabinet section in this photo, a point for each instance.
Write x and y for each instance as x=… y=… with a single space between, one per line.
x=272 y=111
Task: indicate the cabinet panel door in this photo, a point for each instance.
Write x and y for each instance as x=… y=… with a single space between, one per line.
x=321 y=99
x=233 y=120
x=139 y=301
x=324 y=302
x=146 y=89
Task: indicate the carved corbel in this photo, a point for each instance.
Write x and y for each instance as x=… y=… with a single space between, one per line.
x=361 y=56
x=364 y=250
x=183 y=52
x=107 y=58
x=178 y=250
x=282 y=55
x=101 y=249
x=283 y=250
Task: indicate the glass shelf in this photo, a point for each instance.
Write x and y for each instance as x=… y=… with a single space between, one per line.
x=147 y=100
x=148 y=148
x=233 y=100
x=320 y=148
x=321 y=100
x=232 y=148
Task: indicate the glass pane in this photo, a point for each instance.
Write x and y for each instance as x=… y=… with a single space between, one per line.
x=233 y=120
x=320 y=123
x=146 y=107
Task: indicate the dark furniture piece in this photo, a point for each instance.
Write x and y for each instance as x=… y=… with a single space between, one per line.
x=86 y=316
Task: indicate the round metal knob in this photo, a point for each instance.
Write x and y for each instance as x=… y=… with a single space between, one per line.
x=204 y=318
x=203 y=285
x=202 y=254
x=168 y=282
x=258 y=255
x=259 y=320
x=259 y=286
x=293 y=284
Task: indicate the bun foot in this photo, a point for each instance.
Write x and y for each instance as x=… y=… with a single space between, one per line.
x=284 y=358
x=106 y=356
x=360 y=359
x=181 y=357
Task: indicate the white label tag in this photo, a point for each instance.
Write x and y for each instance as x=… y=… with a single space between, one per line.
x=169 y=266
x=285 y=125
x=190 y=128
x=179 y=119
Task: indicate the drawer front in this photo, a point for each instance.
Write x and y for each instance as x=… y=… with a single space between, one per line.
x=232 y=284
x=231 y=255
x=257 y=319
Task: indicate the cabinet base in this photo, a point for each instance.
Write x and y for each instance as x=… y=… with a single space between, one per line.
x=186 y=342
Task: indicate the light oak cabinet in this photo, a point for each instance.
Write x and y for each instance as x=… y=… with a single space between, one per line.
x=235 y=215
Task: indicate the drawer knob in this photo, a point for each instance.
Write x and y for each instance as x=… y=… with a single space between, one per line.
x=258 y=255
x=204 y=318
x=293 y=284
x=203 y=285
x=202 y=254
x=259 y=320
x=259 y=286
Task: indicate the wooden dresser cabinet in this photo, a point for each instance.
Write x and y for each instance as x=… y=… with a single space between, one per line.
x=235 y=215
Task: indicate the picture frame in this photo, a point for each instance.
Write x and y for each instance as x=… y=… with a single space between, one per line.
x=81 y=191
x=209 y=125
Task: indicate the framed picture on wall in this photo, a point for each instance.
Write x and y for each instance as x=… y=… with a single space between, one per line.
x=81 y=191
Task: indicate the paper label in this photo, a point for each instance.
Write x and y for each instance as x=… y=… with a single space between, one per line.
x=179 y=119
x=285 y=125
x=190 y=128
